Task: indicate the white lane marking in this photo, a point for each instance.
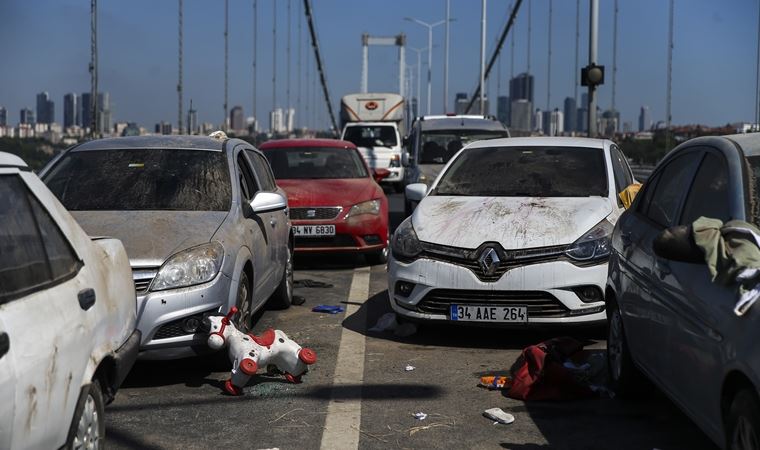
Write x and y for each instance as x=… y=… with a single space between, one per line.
x=344 y=414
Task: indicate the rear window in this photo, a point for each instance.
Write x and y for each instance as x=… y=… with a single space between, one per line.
x=371 y=136
x=526 y=172
x=438 y=147
x=142 y=179
x=315 y=162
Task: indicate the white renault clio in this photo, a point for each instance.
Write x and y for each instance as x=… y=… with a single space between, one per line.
x=513 y=231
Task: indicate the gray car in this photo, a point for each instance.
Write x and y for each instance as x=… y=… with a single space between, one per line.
x=667 y=319
x=204 y=225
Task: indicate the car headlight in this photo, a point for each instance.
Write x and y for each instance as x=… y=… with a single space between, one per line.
x=370 y=207
x=405 y=244
x=395 y=161
x=594 y=245
x=192 y=266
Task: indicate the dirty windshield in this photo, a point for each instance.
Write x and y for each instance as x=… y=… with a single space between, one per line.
x=371 y=136
x=526 y=172
x=438 y=147
x=314 y=162
x=142 y=179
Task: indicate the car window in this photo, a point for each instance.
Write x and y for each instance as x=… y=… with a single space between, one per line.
x=622 y=173
x=439 y=146
x=526 y=172
x=673 y=182
x=262 y=170
x=371 y=135
x=247 y=182
x=33 y=251
x=142 y=179
x=709 y=195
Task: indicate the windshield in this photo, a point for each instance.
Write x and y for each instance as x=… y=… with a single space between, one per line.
x=438 y=147
x=371 y=135
x=315 y=162
x=142 y=179
x=526 y=172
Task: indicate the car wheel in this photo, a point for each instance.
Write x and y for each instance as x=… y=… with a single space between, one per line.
x=283 y=296
x=244 y=295
x=624 y=376
x=743 y=422
x=88 y=428
x=377 y=258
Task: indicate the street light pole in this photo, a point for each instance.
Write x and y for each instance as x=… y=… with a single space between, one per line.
x=482 y=56
x=419 y=66
x=430 y=27
x=592 y=48
x=446 y=60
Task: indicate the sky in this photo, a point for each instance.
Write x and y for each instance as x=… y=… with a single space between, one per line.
x=45 y=46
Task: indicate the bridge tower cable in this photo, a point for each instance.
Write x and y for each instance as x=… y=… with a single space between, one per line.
x=512 y=51
x=549 y=63
x=287 y=64
x=255 y=47
x=577 y=42
x=298 y=64
x=226 y=61
x=614 y=56
x=494 y=56
x=530 y=20
x=94 y=132
x=320 y=64
x=179 y=81
x=670 y=75
x=756 y=125
x=446 y=59
x=274 y=55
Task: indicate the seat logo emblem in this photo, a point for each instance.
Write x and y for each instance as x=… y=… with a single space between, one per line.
x=489 y=261
x=311 y=213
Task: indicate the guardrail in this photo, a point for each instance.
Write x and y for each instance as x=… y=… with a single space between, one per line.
x=641 y=172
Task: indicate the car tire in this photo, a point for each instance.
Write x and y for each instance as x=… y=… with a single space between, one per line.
x=625 y=378
x=743 y=422
x=377 y=258
x=282 y=297
x=88 y=426
x=243 y=302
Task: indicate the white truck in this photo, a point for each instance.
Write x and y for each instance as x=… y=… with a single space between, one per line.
x=374 y=123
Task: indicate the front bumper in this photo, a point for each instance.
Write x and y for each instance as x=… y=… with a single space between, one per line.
x=546 y=288
x=125 y=358
x=360 y=234
x=396 y=175
x=160 y=316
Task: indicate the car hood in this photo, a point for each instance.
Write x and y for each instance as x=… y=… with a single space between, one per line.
x=328 y=192
x=514 y=222
x=150 y=237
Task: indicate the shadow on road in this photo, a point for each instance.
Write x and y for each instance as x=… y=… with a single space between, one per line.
x=329 y=261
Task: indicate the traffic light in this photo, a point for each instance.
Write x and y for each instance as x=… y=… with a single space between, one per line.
x=592 y=75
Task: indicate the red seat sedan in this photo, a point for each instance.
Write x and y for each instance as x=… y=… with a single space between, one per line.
x=335 y=202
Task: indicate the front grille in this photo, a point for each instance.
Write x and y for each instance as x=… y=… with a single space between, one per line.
x=321 y=213
x=509 y=259
x=142 y=279
x=174 y=328
x=339 y=240
x=539 y=303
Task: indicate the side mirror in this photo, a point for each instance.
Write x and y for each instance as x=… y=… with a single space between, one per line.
x=379 y=174
x=404 y=158
x=677 y=244
x=267 y=202
x=628 y=194
x=416 y=192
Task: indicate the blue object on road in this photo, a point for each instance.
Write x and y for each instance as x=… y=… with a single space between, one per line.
x=330 y=309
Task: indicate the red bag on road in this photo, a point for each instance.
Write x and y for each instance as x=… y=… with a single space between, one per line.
x=538 y=374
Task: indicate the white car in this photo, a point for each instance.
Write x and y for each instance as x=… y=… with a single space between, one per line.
x=513 y=231
x=67 y=319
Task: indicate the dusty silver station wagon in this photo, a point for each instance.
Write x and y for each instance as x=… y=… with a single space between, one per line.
x=204 y=225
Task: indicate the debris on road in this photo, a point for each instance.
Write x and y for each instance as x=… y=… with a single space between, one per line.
x=409 y=368
x=306 y=283
x=298 y=300
x=420 y=416
x=388 y=322
x=329 y=309
x=498 y=416
x=248 y=352
x=493 y=382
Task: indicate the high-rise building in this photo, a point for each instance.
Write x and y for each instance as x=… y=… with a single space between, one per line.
x=276 y=121
x=71 y=110
x=3 y=117
x=192 y=120
x=502 y=109
x=26 y=116
x=609 y=124
x=519 y=118
x=163 y=128
x=521 y=87
x=570 y=112
x=104 y=111
x=290 y=114
x=45 y=108
x=538 y=120
x=237 y=119
x=645 y=120
x=553 y=122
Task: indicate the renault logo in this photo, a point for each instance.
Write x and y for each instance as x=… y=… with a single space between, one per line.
x=311 y=213
x=489 y=261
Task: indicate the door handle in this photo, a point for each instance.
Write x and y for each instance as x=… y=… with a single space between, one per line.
x=86 y=298
x=5 y=344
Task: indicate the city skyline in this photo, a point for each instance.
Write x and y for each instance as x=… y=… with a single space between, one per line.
x=139 y=69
